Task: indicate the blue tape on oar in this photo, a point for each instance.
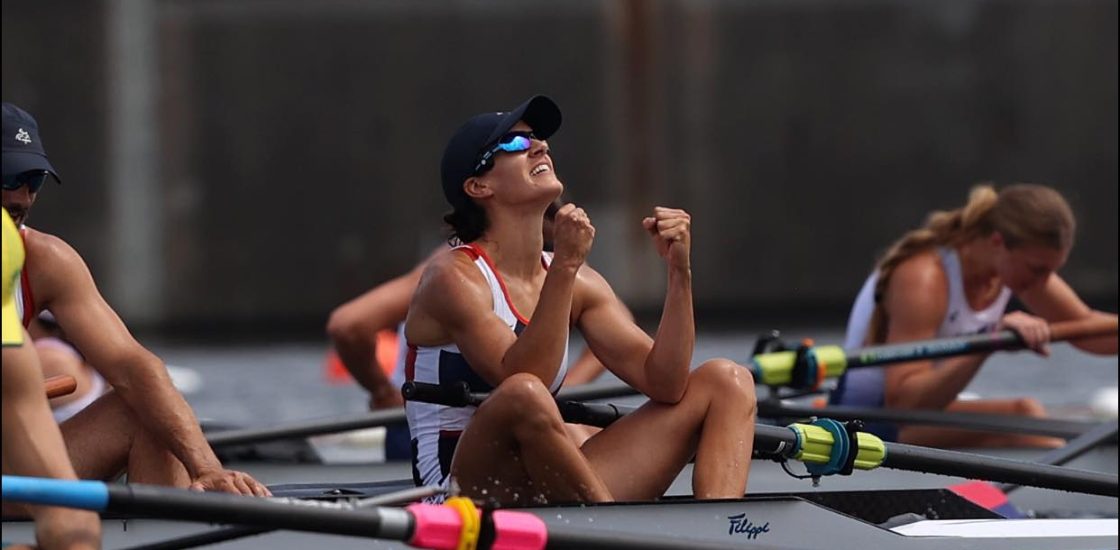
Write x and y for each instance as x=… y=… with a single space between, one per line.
x=87 y=495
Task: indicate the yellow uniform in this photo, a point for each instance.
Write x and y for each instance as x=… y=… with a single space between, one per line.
x=13 y=263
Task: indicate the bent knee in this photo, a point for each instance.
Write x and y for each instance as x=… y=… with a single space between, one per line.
x=725 y=374
x=522 y=389
x=525 y=400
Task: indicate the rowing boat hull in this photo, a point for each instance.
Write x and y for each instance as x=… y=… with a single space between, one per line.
x=775 y=518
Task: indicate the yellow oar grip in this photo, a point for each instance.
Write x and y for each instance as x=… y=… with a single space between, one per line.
x=871 y=452
x=816 y=445
x=776 y=369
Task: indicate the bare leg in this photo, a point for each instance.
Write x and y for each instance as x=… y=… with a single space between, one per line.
x=516 y=450
x=580 y=433
x=105 y=439
x=930 y=436
x=640 y=455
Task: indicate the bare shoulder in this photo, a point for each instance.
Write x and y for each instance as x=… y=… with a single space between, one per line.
x=44 y=247
x=52 y=264
x=919 y=288
x=450 y=290
x=449 y=271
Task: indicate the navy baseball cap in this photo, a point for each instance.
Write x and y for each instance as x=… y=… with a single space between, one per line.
x=472 y=139
x=23 y=150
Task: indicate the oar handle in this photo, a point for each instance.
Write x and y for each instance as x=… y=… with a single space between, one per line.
x=452 y=395
x=57 y=386
x=1083 y=328
x=459 y=395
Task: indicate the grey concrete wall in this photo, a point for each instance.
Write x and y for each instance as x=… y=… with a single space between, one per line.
x=298 y=143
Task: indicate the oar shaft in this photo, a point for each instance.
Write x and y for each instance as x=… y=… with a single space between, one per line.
x=979 y=343
x=1082 y=444
x=334 y=425
x=952 y=463
x=1051 y=427
x=222 y=508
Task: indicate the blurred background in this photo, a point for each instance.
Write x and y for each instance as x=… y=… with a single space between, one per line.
x=236 y=169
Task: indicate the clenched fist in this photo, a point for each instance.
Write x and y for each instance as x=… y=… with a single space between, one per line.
x=572 y=234
x=671 y=230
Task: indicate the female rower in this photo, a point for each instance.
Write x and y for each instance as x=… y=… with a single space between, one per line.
x=954 y=277
x=470 y=321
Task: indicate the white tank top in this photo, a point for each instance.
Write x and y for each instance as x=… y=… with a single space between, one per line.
x=25 y=302
x=435 y=429
x=864 y=387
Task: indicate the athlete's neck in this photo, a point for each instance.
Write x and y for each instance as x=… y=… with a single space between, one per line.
x=514 y=244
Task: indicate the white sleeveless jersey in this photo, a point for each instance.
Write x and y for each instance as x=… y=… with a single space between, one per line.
x=25 y=302
x=864 y=387
x=435 y=429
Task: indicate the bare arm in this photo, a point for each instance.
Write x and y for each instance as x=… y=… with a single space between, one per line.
x=658 y=367
x=1055 y=301
x=916 y=301
x=453 y=304
x=32 y=446
x=139 y=377
x=353 y=329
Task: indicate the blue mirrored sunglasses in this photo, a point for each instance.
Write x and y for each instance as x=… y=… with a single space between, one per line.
x=33 y=179
x=513 y=142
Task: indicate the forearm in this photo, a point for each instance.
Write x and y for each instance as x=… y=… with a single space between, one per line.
x=667 y=364
x=1104 y=345
x=161 y=409
x=541 y=346
x=360 y=360
x=936 y=386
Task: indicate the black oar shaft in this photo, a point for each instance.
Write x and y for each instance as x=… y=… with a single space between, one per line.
x=221 y=508
x=979 y=343
x=1079 y=446
x=933 y=349
x=240 y=531
x=952 y=463
x=1051 y=427
x=318 y=427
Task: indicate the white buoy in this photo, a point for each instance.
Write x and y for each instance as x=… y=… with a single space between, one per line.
x=1103 y=404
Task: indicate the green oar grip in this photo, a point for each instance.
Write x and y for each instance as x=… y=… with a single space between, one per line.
x=818 y=445
x=872 y=451
x=776 y=369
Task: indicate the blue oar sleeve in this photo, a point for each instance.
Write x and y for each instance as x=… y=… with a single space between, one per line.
x=87 y=495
